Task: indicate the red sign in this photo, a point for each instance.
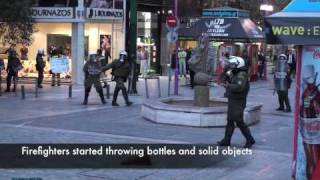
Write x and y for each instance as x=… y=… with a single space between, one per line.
x=172 y=21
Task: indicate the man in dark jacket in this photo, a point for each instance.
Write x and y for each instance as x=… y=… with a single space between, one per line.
x=40 y=65
x=14 y=66
x=93 y=70
x=237 y=87
x=120 y=71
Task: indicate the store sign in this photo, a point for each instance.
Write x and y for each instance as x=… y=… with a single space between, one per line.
x=59 y=65
x=52 y=13
x=224 y=13
x=217 y=27
x=104 y=14
x=299 y=31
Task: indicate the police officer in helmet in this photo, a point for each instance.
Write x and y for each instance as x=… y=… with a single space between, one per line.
x=120 y=71
x=237 y=88
x=92 y=70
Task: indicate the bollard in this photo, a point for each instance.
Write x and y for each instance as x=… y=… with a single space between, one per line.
x=0 y=84
x=159 y=88
x=108 y=91
x=169 y=81
x=15 y=82
x=146 y=84
x=70 y=91
x=36 y=90
x=23 y=94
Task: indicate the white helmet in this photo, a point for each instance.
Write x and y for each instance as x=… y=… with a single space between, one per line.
x=235 y=62
x=282 y=57
x=41 y=51
x=123 y=53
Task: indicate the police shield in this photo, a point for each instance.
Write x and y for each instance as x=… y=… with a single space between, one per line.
x=281 y=72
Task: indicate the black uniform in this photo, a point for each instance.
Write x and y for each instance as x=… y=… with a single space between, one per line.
x=237 y=91
x=40 y=65
x=120 y=72
x=14 y=66
x=92 y=70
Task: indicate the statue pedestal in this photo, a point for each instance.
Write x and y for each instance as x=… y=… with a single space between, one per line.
x=201 y=96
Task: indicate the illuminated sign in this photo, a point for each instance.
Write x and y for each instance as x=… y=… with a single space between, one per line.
x=52 y=13
x=104 y=14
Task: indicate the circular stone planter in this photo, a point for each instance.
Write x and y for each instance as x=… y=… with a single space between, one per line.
x=180 y=111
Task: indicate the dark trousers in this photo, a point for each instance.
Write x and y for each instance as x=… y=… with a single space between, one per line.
x=261 y=70
x=97 y=84
x=192 y=73
x=283 y=99
x=12 y=75
x=235 y=116
x=40 y=77
x=120 y=86
x=54 y=77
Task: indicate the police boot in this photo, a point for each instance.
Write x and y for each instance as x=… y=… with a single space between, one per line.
x=86 y=96
x=126 y=98
x=115 y=96
x=227 y=137
x=247 y=134
x=103 y=101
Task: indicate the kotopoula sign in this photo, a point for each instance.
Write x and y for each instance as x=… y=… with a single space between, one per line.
x=217 y=27
x=52 y=13
x=104 y=14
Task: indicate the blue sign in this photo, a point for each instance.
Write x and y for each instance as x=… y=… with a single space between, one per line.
x=59 y=65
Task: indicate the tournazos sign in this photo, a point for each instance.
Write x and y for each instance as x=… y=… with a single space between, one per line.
x=104 y=14
x=52 y=13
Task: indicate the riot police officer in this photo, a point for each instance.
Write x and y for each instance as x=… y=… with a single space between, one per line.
x=237 y=88
x=92 y=70
x=282 y=82
x=120 y=72
x=40 y=65
x=13 y=67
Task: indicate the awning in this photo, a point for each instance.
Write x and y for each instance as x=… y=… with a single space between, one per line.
x=223 y=29
x=297 y=24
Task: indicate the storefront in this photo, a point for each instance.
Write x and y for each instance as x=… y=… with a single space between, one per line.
x=77 y=32
x=230 y=30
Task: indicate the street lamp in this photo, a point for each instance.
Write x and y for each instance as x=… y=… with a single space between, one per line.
x=266 y=9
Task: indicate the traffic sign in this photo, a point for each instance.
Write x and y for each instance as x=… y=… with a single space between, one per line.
x=172 y=21
x=172 y=36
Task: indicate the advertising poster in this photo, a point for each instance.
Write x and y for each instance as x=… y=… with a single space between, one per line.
x=59 y=65
x=105 y=45
x=308 y=144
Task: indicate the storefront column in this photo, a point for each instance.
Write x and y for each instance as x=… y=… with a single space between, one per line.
x=78 y=56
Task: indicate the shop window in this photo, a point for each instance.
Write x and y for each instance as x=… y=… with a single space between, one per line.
x=99 y=3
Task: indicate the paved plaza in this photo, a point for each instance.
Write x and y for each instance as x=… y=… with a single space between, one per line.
x=52 y=117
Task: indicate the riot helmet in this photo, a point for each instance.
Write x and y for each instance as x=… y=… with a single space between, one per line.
x=92 y=58
x=123 y=55
x=234 y=62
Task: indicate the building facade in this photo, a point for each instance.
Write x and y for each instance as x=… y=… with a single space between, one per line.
x=77 y=28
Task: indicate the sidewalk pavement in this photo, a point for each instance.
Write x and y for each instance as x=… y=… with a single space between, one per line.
x=54 y=118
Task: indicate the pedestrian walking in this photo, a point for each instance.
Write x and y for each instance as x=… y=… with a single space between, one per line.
x=40 y=65
x=261 y=64
x=282 y=82
x=182 y=62
x=237 y=87
x=92 y=70
x=120 y=71
x=292 y=63
x=144 y=61
x=13 y=67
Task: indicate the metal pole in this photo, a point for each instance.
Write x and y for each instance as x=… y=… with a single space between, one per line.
x=176 y=79
x=15 y=79
x=36 y=89
x=23 y=94
x=147 y=90
x=159 y=88
x=70 y=91
x=108 y=91
x=169 y=80
x=0 y=84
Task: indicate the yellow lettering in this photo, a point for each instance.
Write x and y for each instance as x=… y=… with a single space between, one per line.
x=277 y=30
x=316 y=30
x=286 y=31
x=301 y=31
